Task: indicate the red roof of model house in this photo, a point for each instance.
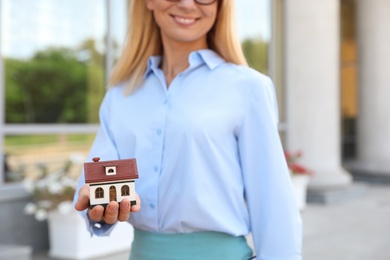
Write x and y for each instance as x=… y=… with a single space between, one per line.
x=106 y=171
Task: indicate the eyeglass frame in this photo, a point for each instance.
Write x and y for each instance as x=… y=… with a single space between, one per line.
x=196 y=1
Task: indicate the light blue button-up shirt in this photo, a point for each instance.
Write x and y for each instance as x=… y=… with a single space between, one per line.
x=208 y=153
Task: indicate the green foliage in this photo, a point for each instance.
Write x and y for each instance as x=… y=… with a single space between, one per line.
x=96 y=89
x=256 y=53
x=60 y=85
x=95 y=80
x=49 y=88
x=56 y=85
x=21 y=141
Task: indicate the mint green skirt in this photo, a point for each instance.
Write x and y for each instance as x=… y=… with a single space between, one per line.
x=192 y=246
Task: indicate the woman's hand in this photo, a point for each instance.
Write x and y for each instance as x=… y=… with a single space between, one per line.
x=112 y=213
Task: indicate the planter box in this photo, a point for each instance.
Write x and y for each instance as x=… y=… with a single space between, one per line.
x=70 y=239
x=300 y=183
x=15 y=252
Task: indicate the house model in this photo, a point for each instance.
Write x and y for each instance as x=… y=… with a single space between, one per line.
x=111 y=180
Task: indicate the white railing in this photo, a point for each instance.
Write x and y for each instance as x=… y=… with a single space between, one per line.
x=35 y=129
x=40 y=129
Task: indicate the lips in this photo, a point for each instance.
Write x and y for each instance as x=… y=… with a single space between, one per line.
x=185 y=21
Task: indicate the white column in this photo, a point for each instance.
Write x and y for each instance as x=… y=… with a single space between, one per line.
x=2 y=107
x=2 y=121
x=312 y=85
x=373 y=21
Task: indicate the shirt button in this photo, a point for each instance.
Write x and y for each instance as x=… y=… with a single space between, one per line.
x=158 y=131
x=151 y=205
x=155 y=168
x=165 y=102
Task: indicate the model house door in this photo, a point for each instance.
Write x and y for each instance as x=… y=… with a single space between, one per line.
x=112 y=193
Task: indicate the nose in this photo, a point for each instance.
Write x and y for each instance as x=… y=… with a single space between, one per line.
x=187 y=3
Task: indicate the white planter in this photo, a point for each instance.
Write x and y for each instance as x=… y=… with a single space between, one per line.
x=300 y=183
x=70 y=239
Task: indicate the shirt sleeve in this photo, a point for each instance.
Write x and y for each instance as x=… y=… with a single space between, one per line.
x=103 y=147
x=275 y=219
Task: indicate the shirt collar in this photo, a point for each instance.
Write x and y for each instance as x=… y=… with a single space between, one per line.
x=210 y=57
x=153 y=64
x=207 y=56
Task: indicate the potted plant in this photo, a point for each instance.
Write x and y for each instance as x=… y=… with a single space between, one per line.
x=52 y=193
x=299 y=175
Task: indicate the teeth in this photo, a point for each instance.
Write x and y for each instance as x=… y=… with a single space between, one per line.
x=184 y=20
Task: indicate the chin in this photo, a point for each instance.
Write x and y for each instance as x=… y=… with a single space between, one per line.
x=187 y=38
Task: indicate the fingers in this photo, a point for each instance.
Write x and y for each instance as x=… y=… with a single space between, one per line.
x=136 y=207
x=111 y=213
x=83 y=199
x=124 y=210
x=108 y=215
x=96 y=213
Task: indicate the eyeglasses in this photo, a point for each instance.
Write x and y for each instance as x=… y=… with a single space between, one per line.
x=199 y=2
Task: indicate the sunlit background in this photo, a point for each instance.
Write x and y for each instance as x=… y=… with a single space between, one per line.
x=328 y=60
x=57 y=56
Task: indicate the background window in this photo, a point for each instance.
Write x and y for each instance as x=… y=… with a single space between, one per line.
x=253 y=26
x=56 y=57
x=53 y=56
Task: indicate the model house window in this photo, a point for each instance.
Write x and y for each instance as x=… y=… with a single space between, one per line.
x=125 y=190
x=111 y=170
x=99 y=193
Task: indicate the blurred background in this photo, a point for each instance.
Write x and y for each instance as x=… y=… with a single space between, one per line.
x=329 y=61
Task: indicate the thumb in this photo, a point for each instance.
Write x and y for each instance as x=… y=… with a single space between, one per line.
x=82 y=202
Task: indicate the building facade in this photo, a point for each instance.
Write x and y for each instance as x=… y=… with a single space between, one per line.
x=335 y=62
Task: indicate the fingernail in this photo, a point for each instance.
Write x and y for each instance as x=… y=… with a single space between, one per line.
x=113 y=207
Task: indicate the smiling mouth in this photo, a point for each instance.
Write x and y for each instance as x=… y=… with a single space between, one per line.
x=183 y=20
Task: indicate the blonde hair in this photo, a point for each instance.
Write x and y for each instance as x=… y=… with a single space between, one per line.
x=143 y=41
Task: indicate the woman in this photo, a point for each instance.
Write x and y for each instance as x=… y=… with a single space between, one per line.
x=203 y=128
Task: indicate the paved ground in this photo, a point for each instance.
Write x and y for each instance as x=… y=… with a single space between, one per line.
x=355 y=229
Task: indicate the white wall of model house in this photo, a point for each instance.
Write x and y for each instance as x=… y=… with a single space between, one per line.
x=106 y=189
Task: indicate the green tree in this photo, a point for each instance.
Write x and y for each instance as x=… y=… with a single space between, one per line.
x=95 y=79
x=256 y=53
x=48 y=88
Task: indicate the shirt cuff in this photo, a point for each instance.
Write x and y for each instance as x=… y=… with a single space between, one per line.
x=97 y=228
